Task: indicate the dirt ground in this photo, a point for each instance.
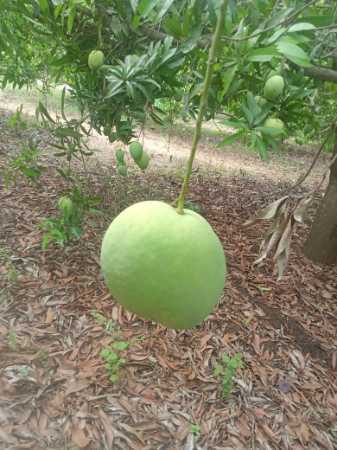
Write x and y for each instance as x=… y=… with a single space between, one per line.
x=170 y=149
x=55 y=391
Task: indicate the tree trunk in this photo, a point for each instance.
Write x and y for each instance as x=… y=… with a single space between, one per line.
x=321 y=246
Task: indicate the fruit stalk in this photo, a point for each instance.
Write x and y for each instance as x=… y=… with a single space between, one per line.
x=203 y=104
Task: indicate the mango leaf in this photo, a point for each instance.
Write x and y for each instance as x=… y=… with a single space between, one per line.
x=172 y=25
x=164 y=7
x=275 y=36
x=281 y=255
x=301 y=26
x=263 y=54
x=294 y=53
x=235 y=123
x=134 y=4
x=270 y=131
x=231 y=138
x=227 y=79
x=301 y=208
x=71 y=19
x=262 y=148
x=248 y=114
x=44 y=5
x=269 y=212
x=41 y=109
x=320 y=21
x=274 y=234
x=146 y=6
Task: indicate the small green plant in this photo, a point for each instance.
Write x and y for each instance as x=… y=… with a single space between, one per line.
x=12 y=340
x=113 y=359
x=195 y=429
x=25 y=164
x=68 y=226
x=5 y=259
x=107 y=324
x=227 y=369
x=16 y=121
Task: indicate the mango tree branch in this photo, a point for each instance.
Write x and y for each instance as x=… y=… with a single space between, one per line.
x=203 y=105
x=321 y=73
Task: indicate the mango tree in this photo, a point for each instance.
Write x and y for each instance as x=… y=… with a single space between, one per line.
x=123 y=58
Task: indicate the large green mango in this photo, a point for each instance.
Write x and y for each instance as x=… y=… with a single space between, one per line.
x=163 y=266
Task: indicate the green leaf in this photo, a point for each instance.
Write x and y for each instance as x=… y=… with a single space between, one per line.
x=121 y=345
x=44 y=5
x=248 y=114
x=146 y=6
x=235 y=123
x=263 y=54
x=270 y=131
x=71 y=18
x=172 y=25
x=320 y=21
x=294 y=53
x=301 y=26
x=261 y=147
x=62 y=103
x=227 y=79
x=164 y=7
x=275 y=36
x=41 y=109
x=231 y=138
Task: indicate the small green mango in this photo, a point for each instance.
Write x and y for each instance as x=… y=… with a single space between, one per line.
x=136 y=151
x=122 y=170
x=144 y=161
x=274 y=87
x=65 y=205
x=95 y=59
x=120 y=156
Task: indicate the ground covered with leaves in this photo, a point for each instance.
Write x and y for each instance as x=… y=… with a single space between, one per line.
x=153 y=388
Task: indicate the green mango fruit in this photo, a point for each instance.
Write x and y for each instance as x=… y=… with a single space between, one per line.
x=122 y=170
x=65 y=205
x=120 y=156
x=274 y=87
x=163 y=266
x=276 y=124
x=144 y=161
x=95 y=59
x=136 y=150
x=261 y=101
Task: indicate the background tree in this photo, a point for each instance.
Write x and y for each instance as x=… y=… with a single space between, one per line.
x=155 y=52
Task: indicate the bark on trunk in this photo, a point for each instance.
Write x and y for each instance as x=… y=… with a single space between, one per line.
x=321 y=246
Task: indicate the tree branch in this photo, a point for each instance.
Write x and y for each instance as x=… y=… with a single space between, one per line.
x=321 y=73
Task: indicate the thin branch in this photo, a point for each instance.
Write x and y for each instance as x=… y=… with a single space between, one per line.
x=286 y=21
x=321 y=73
x=314 y=161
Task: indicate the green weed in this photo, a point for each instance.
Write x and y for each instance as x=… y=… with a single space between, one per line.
x=16 y=121
x=227 y=369
x=68 y=225
x=107 y=324
x=195 y=429
x=5 y=259
x=12 y=340
x=24 y=164
x=113 y=359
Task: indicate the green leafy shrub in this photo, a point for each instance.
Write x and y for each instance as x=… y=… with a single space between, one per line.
x=113 y=359
x=227 y=369
x=68 y=226
x=24 y=164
